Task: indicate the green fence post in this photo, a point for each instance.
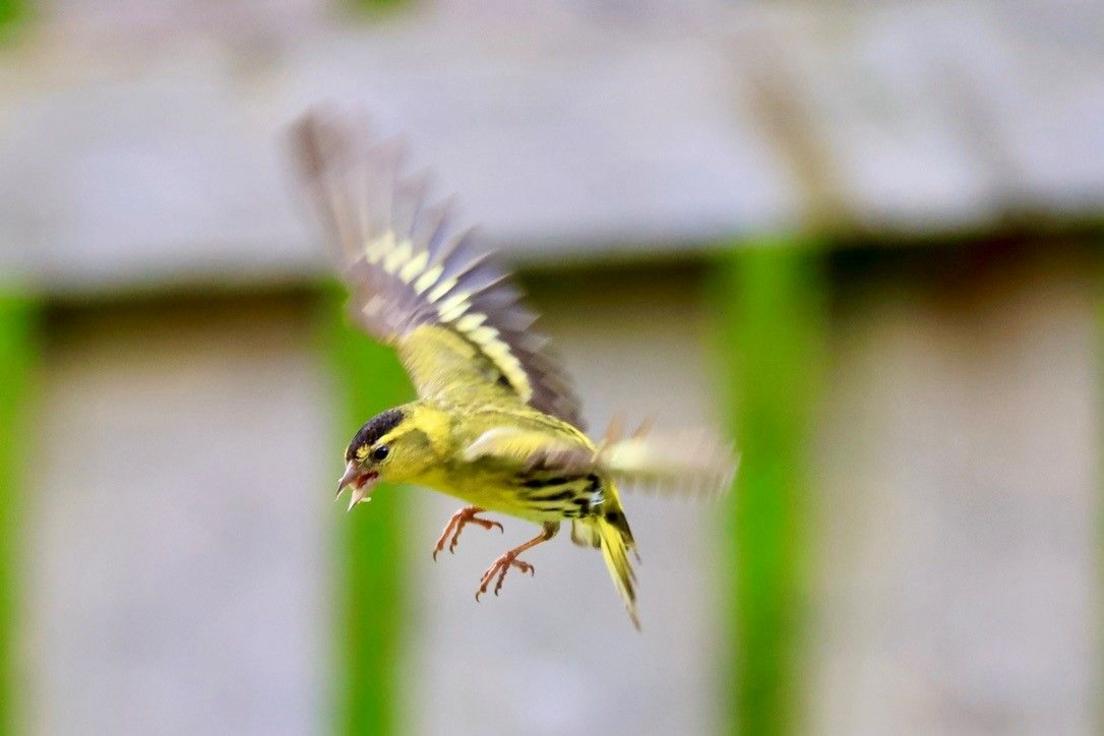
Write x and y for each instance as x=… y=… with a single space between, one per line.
x=771 y=297
x=371 y=555
x=377 y=7
x=11 y=13
x=17 y=352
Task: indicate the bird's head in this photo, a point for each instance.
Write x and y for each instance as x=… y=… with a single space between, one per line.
x=391 y=447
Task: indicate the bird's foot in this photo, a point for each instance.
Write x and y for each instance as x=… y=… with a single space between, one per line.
x=499 y=568
x=451 y=535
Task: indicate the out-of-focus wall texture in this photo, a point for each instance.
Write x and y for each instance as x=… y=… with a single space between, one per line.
x=957 y=490
x=862 y=239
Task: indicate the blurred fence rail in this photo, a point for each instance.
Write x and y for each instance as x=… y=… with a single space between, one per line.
x=142 y=145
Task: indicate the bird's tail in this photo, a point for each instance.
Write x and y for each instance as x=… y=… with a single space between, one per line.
x=610 y=532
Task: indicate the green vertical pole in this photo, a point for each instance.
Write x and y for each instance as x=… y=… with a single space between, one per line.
x=772 y=308
x=375 y=7
x=11 y=12
x=370 y=547
x=1097 y=264
x=17 y=352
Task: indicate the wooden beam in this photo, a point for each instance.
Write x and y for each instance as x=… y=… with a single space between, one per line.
x=771 y=299
x=17 y=357
x=370 y=550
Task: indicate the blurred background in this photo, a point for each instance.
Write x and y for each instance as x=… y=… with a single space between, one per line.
x=862 y=238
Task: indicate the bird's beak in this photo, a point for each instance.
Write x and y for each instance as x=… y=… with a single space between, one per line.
x=361 y=481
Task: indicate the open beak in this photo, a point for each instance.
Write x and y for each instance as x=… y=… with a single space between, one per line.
x=360 y=481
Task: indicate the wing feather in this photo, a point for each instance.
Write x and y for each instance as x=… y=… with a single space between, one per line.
x=415 y=276
x=527 y=449
x=686 y=463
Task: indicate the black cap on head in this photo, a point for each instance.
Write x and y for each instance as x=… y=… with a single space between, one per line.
x=373 y=429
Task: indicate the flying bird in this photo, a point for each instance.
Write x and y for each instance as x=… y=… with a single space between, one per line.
x=496 y=423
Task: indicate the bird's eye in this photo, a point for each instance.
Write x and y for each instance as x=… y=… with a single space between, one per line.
x=380 y=453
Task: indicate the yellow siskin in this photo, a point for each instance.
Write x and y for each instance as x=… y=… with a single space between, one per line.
x=496 y=423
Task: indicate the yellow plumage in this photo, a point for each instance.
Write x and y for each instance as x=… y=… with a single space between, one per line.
x=502 y=456
x=496 y=423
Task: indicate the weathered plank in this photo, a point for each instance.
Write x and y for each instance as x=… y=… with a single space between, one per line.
x=560 y=137
x=957 y=560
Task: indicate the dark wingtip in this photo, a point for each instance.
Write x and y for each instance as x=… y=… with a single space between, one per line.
x=323 y=138
x=357 y=183
x=314 y=138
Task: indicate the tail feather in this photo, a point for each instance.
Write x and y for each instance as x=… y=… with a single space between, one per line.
x=585 y=534
x=615 y=538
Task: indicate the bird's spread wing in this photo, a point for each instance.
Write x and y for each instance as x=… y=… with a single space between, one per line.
x=688 y=463
x=422 y=284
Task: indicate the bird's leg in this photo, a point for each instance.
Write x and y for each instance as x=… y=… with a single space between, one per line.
x=456 y=525
x=502 y=565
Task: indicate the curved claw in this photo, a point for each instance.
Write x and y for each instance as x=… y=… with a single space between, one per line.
x=502 y=565
x=451 y=534
x=497 y=572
